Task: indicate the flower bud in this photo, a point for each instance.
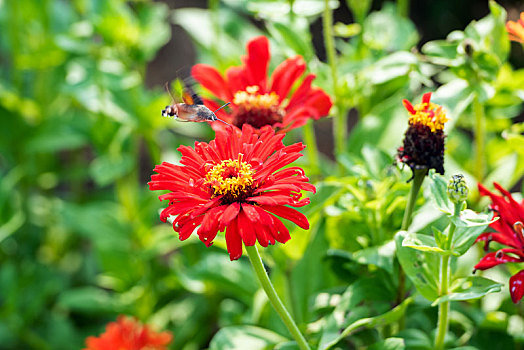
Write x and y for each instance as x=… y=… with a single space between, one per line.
x=457 y=189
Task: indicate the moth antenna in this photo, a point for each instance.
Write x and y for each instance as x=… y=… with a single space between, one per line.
x=225 y=104
x=169 y=91
x=220 y=120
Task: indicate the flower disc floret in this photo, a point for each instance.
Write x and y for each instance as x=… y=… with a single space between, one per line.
x=231 y=178
x=428 y=114
x=235 y=184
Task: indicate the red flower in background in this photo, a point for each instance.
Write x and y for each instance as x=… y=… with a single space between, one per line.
x=234 y=184
x=516 y=29
x=257 y=100
x=129 y=334
x=509 y=232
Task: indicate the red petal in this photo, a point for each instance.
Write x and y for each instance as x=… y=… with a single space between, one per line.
x=186 y=229
x=409 y=106
x=516 y=286
x=279 y=231
x=426 y=97
x=237 y=79
x=251 y=213
x=233 y=241
x=263 y=235
x=301 y=93
x=286 y=74
x=245 y=229
x=211 y=79
x=493 y=259
x=289 y=214
x=209 y=227
x=498 y=237
x=257 y=61
x=321 y=102
x=229 y=215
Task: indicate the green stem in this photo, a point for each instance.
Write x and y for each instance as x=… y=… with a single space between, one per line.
x=312 y=149
x=340 y=121
x=445 y=275
x=480 y=131
x=403 y=8
x=419 y=176
x=263 y=278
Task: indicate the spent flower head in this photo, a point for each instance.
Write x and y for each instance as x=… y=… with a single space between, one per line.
x=509 y=231
x=258 y=100
x=423 y=144
x=129 y=334
x=235 y=183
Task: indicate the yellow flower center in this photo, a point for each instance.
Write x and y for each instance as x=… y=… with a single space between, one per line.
x=429 y=114
x=250 y=99
x=231 y=178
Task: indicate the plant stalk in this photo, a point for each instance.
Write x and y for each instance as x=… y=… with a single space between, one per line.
x=480 y=133
x=403 y=8
x=312 y=148
x=445 y=275
x=340 y=120
x=418 y=178
x=263 y=278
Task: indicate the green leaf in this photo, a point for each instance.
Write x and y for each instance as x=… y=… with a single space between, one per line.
x=389 y=344
x=468 y=230
x=88 y=300
x=424 y=243
x=442 y=52
x=359 y=8
x=439 y=190
x=299 y=41
x=401 y=33
x=469 y=218
x=381 y=256
x=422 y=268
x=372 y=322
x=245 y=337
x=469 y=288
x=440 y=238
x=106 y=169
x=397 y=64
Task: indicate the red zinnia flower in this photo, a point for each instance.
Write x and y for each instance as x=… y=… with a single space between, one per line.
x=234 y=183
x=129 y=334
x=257 y=100
x=509 y=232
x=516 y=29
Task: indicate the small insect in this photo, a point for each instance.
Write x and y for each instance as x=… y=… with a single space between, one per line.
x=192 y=110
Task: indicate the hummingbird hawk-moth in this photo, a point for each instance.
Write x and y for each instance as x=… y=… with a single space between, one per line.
x=193 y=109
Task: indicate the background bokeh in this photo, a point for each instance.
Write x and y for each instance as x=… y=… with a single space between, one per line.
x=81 y=90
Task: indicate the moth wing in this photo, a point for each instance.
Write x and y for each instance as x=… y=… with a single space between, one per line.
x=190 y=97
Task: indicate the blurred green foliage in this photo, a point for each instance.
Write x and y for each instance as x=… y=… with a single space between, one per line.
x=80 y=239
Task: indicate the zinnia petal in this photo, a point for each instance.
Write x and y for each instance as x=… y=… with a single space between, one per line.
x=286 y=74
x=257 y=61
x=516 y=286
x=211 y=79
